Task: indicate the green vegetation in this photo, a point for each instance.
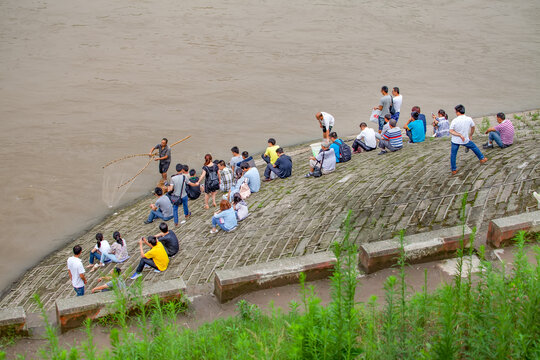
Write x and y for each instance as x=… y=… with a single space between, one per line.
x=535 y=116
x=517 y=117
x=490 y=315
x=485 y=125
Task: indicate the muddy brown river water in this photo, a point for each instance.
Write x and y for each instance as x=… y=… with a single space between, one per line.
x=84 y=82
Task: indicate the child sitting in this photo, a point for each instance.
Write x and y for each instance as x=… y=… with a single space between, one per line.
x=240 y=207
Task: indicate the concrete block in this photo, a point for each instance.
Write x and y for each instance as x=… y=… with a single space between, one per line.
x=229 y=284
x=71 y=312
x=502 y=230
x=423 y=247
x=13 y=322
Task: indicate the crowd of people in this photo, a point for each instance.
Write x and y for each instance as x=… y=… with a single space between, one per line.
x=239 y=178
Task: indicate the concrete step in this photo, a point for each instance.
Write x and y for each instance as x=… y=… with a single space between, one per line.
x=229 y=284
x=501 y=231
x=423 y=247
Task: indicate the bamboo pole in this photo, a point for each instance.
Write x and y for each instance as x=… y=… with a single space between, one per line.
x=148 y=163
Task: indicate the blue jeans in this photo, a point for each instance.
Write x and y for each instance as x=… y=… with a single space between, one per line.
x=395 y=116
x=154 y=214
x=216 y=222
x=111 y=257
x=94 y=256
x=469 y=145
x=496 y=136
x=270 y=168
x=175 y=209
x=381 y=122
x=79 y=291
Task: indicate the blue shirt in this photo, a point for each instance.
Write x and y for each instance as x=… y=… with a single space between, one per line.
x=229 y=218
x=417 y=130
x=284 y=164
x=335 y=146
x=422 y=118
x=254 y=179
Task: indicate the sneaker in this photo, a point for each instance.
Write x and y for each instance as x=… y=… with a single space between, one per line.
x=454 y=172
x=147 y=222
x=157 y=271
x=267 y=179
x=434 y=135
x=382 y=153
x=309 y=175
x=135 y=276
x=182 y=222
x=467 y=150
x=536 y=196
x=483 y=161
x=487 y=146
x=213 y=231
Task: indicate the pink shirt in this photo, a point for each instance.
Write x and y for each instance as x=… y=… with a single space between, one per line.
x=506 y=129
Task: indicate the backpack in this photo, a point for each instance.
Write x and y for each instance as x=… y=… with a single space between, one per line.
x=193 y=192
x=212 y=180
x=391 y=108
x=344 y=151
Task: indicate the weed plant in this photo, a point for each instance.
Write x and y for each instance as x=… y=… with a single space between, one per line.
x=492 y=314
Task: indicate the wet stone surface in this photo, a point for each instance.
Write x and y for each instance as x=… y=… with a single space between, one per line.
x=411 y=189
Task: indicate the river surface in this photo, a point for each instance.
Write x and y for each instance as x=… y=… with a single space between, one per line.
x=85 y=82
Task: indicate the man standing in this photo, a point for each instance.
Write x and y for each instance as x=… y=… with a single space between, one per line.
x=162 y=209
x=164 y=157
x=178 y=185
x=155 y=258
x=462 y=129
x=502 y=134
x=384 y=106
x=76 y=271
x=326 y=122
x=397 y=100
x=282 y=167
x=225 y=176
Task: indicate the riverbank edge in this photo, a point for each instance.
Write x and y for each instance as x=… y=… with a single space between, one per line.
x=298 y=147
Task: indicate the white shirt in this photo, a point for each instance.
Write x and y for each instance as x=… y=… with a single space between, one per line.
x=462 y=124
x=368 y=137
x=398 y=100
x=328 y=120
x=105 y=247
x=76 y=268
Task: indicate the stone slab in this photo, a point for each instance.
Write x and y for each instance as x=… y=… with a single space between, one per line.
x=501 y=231
x=71 y=312
x=423 y=247
x=229 y=284
x=13 y=322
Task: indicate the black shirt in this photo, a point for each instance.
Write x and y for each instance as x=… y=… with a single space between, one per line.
x=170 y=243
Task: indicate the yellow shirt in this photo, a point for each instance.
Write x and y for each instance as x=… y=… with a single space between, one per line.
x=271 y=151
x=159 y=255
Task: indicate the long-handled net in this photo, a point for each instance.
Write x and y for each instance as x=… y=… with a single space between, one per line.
x=118 y=175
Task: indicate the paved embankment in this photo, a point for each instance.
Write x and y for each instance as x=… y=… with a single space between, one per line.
x=411 y=189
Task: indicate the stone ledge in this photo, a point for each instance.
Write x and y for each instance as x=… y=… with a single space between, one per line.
x=71 y=312
x=429 y=246
x=13 y=322
x=229 y=284
x=501 y=231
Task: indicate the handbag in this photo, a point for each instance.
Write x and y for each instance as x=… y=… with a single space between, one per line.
x=317 y=170
x=391 y=108
x=177 y=200
x=245 y=191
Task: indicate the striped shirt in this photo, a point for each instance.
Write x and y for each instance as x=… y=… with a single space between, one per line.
x=394 y=136
x=506 y=129
x=226 y=179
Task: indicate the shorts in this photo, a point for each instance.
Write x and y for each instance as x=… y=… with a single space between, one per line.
x=164 y=166
x=324 y=129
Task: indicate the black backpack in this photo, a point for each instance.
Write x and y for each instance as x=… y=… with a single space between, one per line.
x=212 y=180
x=193 y=192
x=345 y=152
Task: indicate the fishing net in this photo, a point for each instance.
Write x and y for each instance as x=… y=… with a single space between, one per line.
x=118 y=177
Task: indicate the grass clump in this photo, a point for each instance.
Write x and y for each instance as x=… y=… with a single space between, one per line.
x=489 y=315
x=484 y=126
